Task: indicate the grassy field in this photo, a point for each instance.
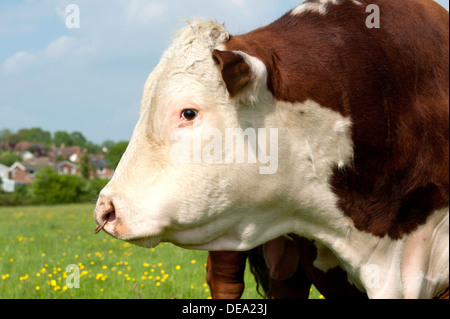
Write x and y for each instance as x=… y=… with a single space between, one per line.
x=37 y=244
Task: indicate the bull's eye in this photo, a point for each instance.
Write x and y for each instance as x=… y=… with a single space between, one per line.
x=189 y=114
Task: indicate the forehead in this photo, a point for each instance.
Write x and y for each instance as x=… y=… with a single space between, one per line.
x=187 y=68
x=194 y=87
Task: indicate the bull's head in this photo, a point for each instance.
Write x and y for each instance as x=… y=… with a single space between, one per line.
x=215 y=161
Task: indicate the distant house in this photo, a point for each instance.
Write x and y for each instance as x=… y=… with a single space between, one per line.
x=4 y=171
x=7 y=185
x=19 y=174
x=102 y=169
x=66 y=168
x=73 y=153
x=23 y=172
x=28 y=150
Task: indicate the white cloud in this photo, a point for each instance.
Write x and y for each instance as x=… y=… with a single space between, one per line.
x=63 y=48
x=66 y=46
x=142 y=12
x=18 y=62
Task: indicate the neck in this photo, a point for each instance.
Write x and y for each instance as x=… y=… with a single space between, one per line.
x=381 y=266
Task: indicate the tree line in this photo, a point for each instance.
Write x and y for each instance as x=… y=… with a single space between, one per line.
x=46 y=138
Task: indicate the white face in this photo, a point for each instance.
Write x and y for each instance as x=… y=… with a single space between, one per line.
x=193 y=202
x=183 y=180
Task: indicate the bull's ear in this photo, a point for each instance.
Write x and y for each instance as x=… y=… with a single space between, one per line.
x=236 y=72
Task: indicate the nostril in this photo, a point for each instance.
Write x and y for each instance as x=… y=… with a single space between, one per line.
x=108 y=214
x=109 y=211
x=111 y=216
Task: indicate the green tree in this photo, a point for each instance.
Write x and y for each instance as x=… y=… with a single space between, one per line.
x=115 y=153
x=14 y=139
x=8 y=158
x=76 y=138
x=4 y=135
x=94 y=187
x=92 y=148
x=73 y=139
x=49 y=187
x=107 y=144
x=85 y=166
x=36 y=135
x=61 y=137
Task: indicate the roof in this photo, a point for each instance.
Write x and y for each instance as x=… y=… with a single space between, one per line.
x=38 y=162
x=98 y=160
x=66 y=151
x=60 y=164
x=23 y=146
x=17 y=164
x=100 y=163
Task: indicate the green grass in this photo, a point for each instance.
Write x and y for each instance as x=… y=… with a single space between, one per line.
x=38 y=243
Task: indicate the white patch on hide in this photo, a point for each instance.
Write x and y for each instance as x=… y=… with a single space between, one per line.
x=320 y=6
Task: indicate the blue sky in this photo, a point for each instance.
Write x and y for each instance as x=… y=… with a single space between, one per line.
x=90 y=79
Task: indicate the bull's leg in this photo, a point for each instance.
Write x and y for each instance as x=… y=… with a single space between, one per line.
x=225 y=274
x=296 y=287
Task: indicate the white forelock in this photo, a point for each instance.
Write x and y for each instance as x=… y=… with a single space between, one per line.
x=197 y=36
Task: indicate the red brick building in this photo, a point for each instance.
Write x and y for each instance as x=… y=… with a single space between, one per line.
x=67 y=168
x=24 y=172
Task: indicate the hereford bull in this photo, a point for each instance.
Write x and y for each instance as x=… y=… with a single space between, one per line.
x=360 y=123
